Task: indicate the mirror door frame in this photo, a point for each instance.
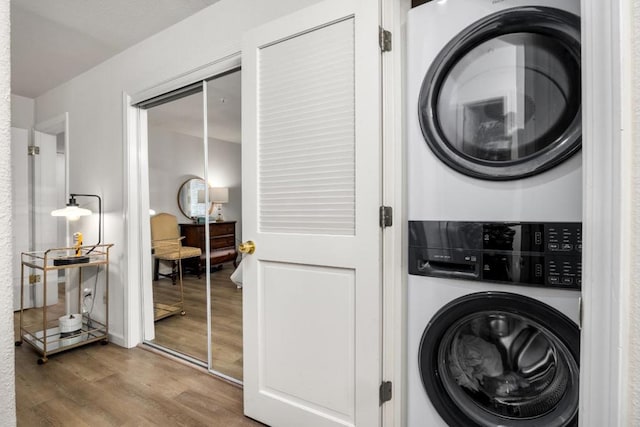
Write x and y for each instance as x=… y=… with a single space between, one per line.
x=139 y=325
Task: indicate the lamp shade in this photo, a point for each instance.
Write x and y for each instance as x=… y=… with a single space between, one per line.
x=72 y=211
x=219 y=194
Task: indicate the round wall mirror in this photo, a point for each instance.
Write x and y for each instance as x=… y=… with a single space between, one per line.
x=191 y=198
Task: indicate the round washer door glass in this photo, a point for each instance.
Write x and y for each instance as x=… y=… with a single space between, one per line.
x=501 y=359
x=502 y=99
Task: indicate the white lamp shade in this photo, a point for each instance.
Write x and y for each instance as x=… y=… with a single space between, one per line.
x=71 y=212
x=219 y=194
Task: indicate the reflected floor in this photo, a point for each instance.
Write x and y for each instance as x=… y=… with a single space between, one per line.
x=188 y=334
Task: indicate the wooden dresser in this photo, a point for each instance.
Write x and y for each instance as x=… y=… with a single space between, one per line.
x=222 y=241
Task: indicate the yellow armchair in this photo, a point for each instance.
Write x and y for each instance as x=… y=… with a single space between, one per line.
x=166 y=243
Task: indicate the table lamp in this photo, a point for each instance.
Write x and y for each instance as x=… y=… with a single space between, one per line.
x=73 y=212
x=218 y=196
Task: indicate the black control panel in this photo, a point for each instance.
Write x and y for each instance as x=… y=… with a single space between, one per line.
x=524 y=253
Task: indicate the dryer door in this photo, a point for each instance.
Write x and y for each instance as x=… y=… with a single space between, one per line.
x=495 y=358
x=502 y=100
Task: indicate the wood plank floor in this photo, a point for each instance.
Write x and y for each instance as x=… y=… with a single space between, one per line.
x=107 y=385
x=188 y=334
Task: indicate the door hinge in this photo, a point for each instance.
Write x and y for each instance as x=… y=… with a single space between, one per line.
x=385 y=391
x=384 y=39
x=32 y=150
x=386 y=216
x=34 y=278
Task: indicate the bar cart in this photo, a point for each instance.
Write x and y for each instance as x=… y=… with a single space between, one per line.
x=47 y=336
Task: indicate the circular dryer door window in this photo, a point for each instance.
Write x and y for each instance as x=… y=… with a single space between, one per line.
x=502 y=99
x=497 y=358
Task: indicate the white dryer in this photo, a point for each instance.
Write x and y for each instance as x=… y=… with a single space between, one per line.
x=494 y=207
x=494 y=110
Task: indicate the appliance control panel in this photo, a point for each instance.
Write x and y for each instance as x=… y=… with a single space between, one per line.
x=525 y=253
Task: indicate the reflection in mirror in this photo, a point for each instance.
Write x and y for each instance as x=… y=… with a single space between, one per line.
x=191 y=198
x=224 y=143
x=180 y=165
x=175 y=155
x=495 y=105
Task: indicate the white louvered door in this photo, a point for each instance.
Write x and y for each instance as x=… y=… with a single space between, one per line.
x=311 y=191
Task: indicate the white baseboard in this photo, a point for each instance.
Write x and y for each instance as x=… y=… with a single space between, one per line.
x=118 y=339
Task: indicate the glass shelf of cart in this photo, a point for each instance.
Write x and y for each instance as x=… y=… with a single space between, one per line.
x=54 y=341
x=72 y=257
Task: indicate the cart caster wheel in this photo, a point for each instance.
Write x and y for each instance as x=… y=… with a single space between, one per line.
x=42 y=361
x=18 y=343
x=182 y=313
x=105 y=342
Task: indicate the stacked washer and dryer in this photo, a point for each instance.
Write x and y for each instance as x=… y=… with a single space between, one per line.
x=495 y=203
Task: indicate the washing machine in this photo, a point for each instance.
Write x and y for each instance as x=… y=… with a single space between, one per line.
x=494 y=206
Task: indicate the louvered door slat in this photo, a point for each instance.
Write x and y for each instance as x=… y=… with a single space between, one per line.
x=306 y=147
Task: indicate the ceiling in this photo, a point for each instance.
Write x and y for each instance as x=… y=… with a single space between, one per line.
x=53 y=41
x=185 y=114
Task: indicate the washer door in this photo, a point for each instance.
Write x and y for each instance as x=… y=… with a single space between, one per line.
x=502 y=100
x=494 y=358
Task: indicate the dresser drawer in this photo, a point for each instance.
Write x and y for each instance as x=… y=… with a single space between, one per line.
x=222 y=242
x=219 y=229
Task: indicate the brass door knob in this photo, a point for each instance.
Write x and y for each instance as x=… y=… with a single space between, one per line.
x=247 y=247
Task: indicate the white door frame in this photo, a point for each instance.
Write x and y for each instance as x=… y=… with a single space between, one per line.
x=607 y=164
x=607 y=88
x=394 y=14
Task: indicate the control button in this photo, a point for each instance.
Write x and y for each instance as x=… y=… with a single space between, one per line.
x=553 y=246
x=554 y=279
x=467 y=258
x=579 y=247
x=473 y=258
x=567 y=280
x=567 y=246
x=538 y=238
x=538 y=270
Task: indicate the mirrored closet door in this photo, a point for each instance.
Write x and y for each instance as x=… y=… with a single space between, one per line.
x=175 y=135
x=225 y=228
x=195 y=221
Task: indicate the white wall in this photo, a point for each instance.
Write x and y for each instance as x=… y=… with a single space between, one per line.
x=175 y=158
x=7 y=370
x=22 y=112
x=94 y=102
